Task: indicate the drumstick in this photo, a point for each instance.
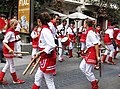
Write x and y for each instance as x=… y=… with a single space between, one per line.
x=104 y=46
x=59 y=47
x=21 y=52
x=38 y=61
x=31 y=72
x=27 y=68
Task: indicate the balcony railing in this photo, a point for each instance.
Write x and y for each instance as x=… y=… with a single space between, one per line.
x=89 y=1
x=74 y=1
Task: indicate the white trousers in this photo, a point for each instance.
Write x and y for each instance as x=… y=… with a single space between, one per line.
x=48 y=78
x=34 y=51
x=83 y=45
x=18 y=48
x=87 y=70
x=111 y=52
x=61 y=50
x=71 y=45
x=9 y=64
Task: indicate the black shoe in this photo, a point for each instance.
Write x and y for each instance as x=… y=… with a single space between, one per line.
x=3 y=61
x=20 y=57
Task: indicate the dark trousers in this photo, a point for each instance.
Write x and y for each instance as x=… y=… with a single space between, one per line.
x=1 y=55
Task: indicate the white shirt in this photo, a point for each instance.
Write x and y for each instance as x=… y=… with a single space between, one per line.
x=69 y=30
x=18 y=28
x=81 y=29
x=53 y=28
x=91 y=39
x=60 y=29
x=34 y=34
x=110 y=32
x=9 y=37
x=46 y=40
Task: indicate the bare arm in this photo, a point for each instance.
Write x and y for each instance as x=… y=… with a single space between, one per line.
x=97 y=52
x=10 y=50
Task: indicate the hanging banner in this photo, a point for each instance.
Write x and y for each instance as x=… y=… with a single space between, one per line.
x=24 y=15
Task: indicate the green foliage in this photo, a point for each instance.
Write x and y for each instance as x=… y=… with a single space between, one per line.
x=108 y=8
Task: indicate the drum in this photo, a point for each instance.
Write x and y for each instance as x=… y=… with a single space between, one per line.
x=65 y=41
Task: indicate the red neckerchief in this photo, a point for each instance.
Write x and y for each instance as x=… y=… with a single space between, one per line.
x=97 y=31
x=90 y=28
x=45 y=26
x=72 y=27
x=53 y=23
x=10 y=29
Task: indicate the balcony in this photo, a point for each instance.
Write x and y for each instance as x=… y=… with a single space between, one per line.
x=75 y=2
x=91 y=1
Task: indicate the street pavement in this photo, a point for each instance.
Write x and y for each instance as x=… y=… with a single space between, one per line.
x=68 y=75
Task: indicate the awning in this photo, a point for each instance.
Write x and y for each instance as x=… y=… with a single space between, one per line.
x=55 y=12
x=78 y=15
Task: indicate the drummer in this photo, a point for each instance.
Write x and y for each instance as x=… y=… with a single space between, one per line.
x=62 y=32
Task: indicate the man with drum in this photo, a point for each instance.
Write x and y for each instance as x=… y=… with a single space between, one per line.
x=71 y=35
x=62 y=32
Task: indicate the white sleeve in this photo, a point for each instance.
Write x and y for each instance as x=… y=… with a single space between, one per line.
x=68 y=30
x=33 y=35
x=49 y=40
x=59 y=27
x=50 y=25
x=7 y=37
x=111 y=32
x=80 y=29
x=18 y=27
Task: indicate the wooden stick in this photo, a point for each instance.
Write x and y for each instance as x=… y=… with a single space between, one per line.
x=27 y=68
x=104 y=46
x=21 y=52
x=38 y=61
x=59 y=47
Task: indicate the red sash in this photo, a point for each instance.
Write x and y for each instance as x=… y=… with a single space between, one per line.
x=48 y=62
x=90 y=57
x=83 y=37
x=72 y=37
x=107 y=39
x=35 y=42
x=53 y=23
